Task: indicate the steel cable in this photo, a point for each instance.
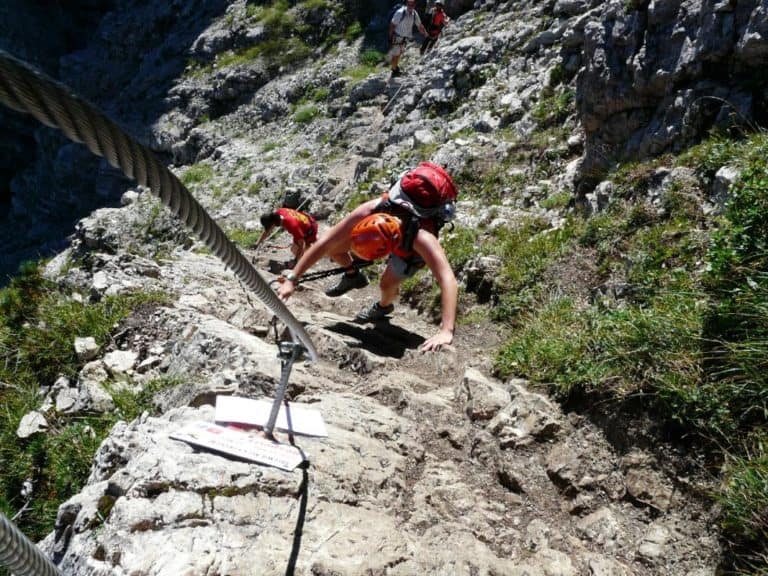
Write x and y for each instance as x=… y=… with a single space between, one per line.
x=26 y=90
x=19 y=554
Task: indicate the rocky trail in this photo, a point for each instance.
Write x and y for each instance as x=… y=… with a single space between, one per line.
x=431 y=466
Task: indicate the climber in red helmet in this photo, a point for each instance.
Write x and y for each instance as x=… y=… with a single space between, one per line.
x=300 y=225
x=375 y=230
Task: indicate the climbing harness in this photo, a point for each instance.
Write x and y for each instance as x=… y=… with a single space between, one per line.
x=20 y=555
x=26 y=90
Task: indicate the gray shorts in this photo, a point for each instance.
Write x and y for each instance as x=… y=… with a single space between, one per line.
x=403 y=268
x=398 y=47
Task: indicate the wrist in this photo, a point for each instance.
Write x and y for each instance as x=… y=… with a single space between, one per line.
x=290 y=277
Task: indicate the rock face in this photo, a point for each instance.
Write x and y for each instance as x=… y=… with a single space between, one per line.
x=658 y=75
x=649 y=77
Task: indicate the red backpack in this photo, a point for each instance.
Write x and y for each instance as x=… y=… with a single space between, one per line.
x=427 y=191
x=423 y=196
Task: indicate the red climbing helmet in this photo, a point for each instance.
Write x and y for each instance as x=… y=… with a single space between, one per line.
x=376 y=236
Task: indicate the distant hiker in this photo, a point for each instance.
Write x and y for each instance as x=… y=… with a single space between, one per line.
x=300 y=225
x=403 y=226
x=438 y=20
x=401 y=31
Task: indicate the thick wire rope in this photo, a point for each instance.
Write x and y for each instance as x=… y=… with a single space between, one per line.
x=26 y=90
x=19 y=554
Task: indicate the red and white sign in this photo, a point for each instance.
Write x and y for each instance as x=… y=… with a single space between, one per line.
x=246 y=445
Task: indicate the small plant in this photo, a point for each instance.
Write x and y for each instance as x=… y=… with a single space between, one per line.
x=305 y=113
x=744 y=494
x=460 y=245
x=243 y=237
x=320 y=94
x=545 y=346
x=130 y=405
x=255 y=188
x=316 y=5
x=467 y=132
x=354 y=30
x=527 y=250
x=371 y=58
x=556 y=75
x=482 y=182
x=360 y=196
x=197 y=174
x=553 y=107
x=558 y=200
x=360 y=72
x=269 y=146
x=283 y=44
x=235 y=58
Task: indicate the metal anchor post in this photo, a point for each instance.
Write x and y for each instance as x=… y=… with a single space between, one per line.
x=289 y=353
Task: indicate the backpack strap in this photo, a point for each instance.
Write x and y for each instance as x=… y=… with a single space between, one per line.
x=411 y=222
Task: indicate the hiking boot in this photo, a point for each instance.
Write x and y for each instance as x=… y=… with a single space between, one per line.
x=374 y=313
x=395 y=72
x=347 y=283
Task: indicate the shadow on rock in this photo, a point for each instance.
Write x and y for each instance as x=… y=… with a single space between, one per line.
x=384 y=339
x=290 y=569
x=278 y=266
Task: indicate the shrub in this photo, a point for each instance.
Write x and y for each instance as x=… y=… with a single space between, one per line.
x=354 y=30
x=371 y=57
x=197 y=174
x=320 y=94
x=553 y=107
x=305 y=113
x=744 y=499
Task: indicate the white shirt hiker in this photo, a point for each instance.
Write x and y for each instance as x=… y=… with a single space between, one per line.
x=404 y=21
x=401 y=31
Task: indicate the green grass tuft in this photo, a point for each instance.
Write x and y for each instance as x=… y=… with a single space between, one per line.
x=38 y=327
x=306 y=113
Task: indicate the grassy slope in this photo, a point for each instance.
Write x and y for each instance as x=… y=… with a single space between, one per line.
x=687 y=336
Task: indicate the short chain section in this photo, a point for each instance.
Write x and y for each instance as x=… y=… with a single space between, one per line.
x=27 y=90
x=20 y=555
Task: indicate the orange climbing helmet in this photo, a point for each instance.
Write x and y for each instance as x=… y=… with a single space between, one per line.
x=376 y=236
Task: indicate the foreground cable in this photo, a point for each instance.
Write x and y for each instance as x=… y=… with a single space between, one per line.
x=20 y=555
x=27 y=90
